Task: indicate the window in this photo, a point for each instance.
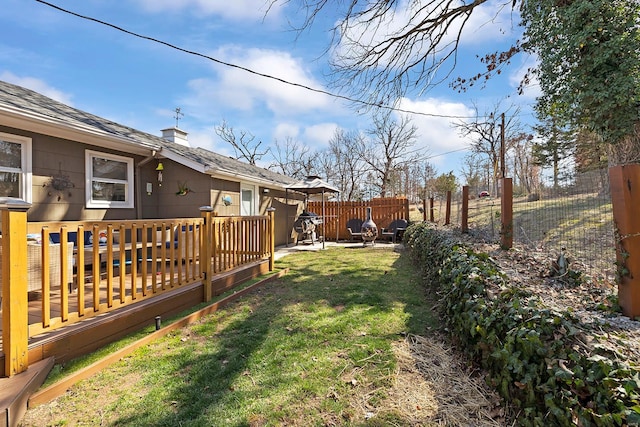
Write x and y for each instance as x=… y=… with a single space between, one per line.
x=109 y=180
x=15 y=166
x=247 y=204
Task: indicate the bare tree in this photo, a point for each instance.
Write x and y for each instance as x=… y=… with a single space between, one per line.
x=486 y=136
x=525 y=168
x=343 y=165
x=293 y=159
x=242 y=144
x=390 y=148
x=472 y=171
x=422 y=174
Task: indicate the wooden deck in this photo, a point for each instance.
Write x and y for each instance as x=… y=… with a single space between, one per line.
x=68 y=342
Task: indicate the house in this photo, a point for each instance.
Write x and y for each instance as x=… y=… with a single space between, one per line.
x=75 y=166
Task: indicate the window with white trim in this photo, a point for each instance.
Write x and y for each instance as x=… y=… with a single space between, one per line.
x=15 y=166
x=109 y=180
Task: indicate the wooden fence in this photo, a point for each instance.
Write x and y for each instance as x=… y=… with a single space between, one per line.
x=76 y=276
x=383 y=212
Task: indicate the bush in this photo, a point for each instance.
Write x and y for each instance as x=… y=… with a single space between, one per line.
x=533 y=356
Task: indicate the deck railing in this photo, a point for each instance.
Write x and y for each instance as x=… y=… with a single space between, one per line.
x=89 y=268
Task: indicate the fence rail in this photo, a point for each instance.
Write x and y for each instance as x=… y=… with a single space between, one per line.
x=575 y=222
x=82 y=269
x=383 y=211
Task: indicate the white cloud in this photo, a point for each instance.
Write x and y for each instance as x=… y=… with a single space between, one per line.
x=236 y=89
x=436 y=131
x=207 y=139
x=318 y=136
x=37 y=85
x=236 y=10
x=286 y=130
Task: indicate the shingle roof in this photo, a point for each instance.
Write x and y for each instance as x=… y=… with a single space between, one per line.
x=38 y=105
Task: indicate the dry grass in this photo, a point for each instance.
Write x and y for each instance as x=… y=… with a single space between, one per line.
x=432 y=386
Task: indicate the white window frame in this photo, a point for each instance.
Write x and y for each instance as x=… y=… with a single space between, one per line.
x=252 y=189
x=129 y=183
x=25 y=190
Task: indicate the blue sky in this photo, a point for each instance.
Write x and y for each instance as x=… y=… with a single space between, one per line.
x=139 y=83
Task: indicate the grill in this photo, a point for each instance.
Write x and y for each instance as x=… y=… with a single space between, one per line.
x=305 y=226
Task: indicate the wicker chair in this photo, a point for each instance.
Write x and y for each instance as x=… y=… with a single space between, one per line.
x=34 y=266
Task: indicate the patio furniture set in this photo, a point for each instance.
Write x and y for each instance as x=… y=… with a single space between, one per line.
x=393 y=232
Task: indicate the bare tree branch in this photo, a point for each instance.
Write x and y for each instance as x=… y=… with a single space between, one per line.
x=293 y=159
x=242 y=143
x=384 y=48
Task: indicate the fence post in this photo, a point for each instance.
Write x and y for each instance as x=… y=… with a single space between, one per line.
x=406 y=210
x=431 y=209
x=205 y=250
x=506 y=214
x=272 y=237
x=464 y=226
x=447 y=216
x=15 y=304
x=624 y=182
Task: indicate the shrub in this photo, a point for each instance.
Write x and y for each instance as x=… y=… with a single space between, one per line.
x=535 y=357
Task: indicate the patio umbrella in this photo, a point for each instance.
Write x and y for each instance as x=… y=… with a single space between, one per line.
x=313 y=185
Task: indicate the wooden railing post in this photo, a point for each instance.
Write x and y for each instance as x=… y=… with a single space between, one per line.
x=205 y=250
x=15 y=304
x=272 y=237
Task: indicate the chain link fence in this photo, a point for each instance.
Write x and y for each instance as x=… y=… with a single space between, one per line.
x=575 y=220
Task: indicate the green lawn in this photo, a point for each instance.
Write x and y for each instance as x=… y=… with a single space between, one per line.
x=298 y=351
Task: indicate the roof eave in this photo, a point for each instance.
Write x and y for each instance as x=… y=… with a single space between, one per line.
x=225 y=174
x=88 y=135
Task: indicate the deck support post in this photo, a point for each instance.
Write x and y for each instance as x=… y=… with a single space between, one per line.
x=272 y=237
x=15 y=304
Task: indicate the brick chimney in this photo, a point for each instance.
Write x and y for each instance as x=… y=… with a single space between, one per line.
x=176 y=135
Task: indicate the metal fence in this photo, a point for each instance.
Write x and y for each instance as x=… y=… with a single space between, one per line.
x=575 y=219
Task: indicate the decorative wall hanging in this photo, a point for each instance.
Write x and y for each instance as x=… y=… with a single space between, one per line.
x=59 y=183
x=226 y=200
x=183 y=190
x=160 y=168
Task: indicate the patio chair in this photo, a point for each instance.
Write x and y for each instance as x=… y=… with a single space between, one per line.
x=395 y=230
x=354 y=227
x=35 y=266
